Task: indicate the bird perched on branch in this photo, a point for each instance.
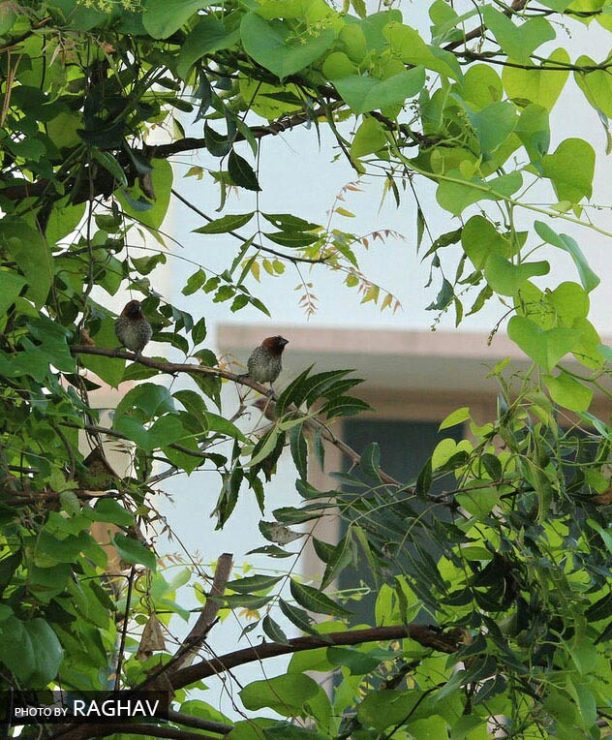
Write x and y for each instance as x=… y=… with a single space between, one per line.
x=132 y=328
x=264 y=364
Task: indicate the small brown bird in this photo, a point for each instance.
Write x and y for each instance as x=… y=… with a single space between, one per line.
x=132 y=328
x=264 y=364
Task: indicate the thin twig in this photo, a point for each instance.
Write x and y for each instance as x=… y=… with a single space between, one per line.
x=124 y=628
x=243 y=239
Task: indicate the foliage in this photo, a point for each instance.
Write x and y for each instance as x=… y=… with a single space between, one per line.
x=515 y=589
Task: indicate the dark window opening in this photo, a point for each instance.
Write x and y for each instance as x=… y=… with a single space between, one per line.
x=400 y=526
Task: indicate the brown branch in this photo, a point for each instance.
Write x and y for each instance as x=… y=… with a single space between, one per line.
x=211 y=608
x=162 y=679
x=181 y=718
x=449 y=643
x=285 y=123
x=174 y=367
x=445 y=643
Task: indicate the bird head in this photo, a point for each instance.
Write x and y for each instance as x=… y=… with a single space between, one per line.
x=132 y=310
x=276 y=344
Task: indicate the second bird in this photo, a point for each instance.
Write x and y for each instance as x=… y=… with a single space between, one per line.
x=132 y=328
x=264 y=364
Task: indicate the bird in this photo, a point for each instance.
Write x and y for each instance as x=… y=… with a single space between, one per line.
x=132 y=328
x=264 y=365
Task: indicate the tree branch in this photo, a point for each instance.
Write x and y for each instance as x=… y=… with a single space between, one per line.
x=471 y=56
x=173 y=368
x=162 y=679
x=105 y=183
x=284 y=123
x=445 y=643
x=180 y=718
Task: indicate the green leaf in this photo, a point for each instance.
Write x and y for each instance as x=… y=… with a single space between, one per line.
x=359 y=661
x=406 y=43
x=8 y=16
x=149 y=398
x=341 y=557
x=480 y=502
x=538 y=86
x=481 y=86
x=444 y=297
x=108 y=369
x=272 y=45
x=518 y=42
x=596 y=86
x=10 y=287
x=241 y=172
x=493 y=124
x=568 y=392
x=315 y=601
x=209 y=35
x=165 y=431
x=533 y=130
x=293 y=240
x=384 y=708
x=229 y=222
x=363 y=93
x=345 y=406
x=152 y=214
x=546 y=347
x=133 y=551
x=31 y=253
x=109 y=510
x=31 y=650
x=64 y=218
x=455 y=197
x=111 y=165
x=588 y=278
x=194 y=282
x=273 y=630
x=456 y=417
x=299 y=450
x=221 y=425
x=284 y=694
x=571 y=169
x=162 y=18
x=300 y=618
x=251 y=584
x=506 y=278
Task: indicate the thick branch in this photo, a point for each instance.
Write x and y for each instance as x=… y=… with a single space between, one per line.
x=194 y=640
x=425 y=636
x=180 y=718
x=446 y=643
